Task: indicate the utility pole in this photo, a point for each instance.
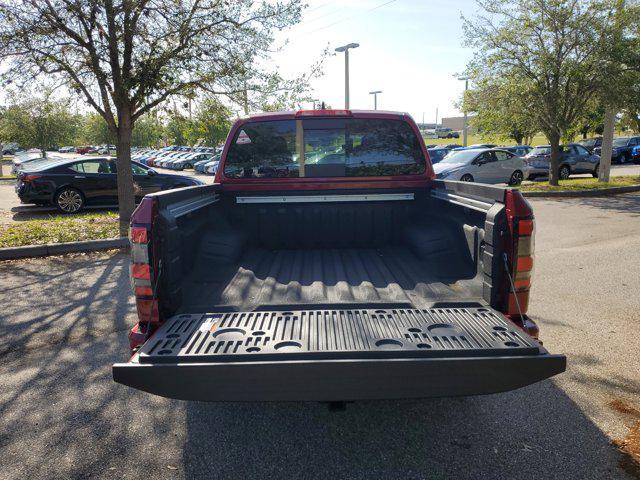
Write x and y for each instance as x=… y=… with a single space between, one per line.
x=436 y=127
x=375 y=98
x=345 y=49
x=464 y=110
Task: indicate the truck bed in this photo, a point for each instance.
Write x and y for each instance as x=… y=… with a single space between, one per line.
x=333 y=296
x=264 y=278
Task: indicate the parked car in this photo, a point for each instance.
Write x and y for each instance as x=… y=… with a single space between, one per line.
x=591 y=143
x=161 y=157
x=211 y=168
x=84 y=150
x=106 y=150
x=70 y=185
x=169 y=159
x=574 y=158
x=482 y=145
x=482 y=165
x=622 y=149
x=10 y=149
x=446 y=133
x=519 y=150
x=25 y=160
x=437 y=154
x=451 y=146
x=200 y=166
x=635 y=154
x=145 y=157
x=68 y=149
x=328 y=286
x=190 y=160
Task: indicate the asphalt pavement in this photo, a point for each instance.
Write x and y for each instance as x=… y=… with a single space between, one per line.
x=64 y=321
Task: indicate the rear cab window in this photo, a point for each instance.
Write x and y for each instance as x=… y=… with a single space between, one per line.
x=324 y=147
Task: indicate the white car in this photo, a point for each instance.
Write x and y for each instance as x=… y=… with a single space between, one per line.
x=483 y=165
x=211 y=168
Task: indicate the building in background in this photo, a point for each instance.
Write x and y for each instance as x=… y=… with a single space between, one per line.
x=457 y=123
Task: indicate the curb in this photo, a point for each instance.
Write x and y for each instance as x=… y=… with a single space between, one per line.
x=7 y=180
x=602 y=192
x=11 y=253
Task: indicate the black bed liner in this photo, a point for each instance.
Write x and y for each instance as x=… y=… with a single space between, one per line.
x=326 y=334
x=337 y=355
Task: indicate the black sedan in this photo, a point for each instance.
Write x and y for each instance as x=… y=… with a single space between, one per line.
x=71 y=185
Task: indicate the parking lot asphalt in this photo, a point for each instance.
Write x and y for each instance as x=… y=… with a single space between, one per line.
x=64 y=321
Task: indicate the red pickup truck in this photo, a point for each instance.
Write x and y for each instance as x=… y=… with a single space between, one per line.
x=327 y=264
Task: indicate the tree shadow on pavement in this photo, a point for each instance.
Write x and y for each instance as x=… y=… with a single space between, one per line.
x=61 y=299
x=33 y=212
x=535 y=432
x=626 y=203
x=63 y=322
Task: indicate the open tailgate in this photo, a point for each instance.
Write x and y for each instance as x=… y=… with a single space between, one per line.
x=337 y=355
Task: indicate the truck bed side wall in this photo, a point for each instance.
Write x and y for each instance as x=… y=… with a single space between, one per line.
x=188 y=217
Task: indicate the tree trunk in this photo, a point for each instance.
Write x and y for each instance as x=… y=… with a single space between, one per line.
x=126 y=199
x=607 y=144
x=554 y=163
x=518 y=137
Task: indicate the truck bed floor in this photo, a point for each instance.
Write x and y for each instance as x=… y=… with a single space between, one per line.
x=391 y=275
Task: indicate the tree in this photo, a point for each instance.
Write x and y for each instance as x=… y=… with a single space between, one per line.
x=211 y=124
x=591 y=122
x=147 y=132
x=126 y=57
x=178 y=128
x=622 y=69
x=95 y=131
x=555 y=48
x=39 y=122
x=502 y=107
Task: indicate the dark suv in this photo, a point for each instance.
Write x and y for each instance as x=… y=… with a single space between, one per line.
x=622 y=149
x=591 y=143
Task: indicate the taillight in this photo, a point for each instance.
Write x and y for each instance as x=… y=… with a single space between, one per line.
x=144 y=266
x=29 y=178
x=519 y=260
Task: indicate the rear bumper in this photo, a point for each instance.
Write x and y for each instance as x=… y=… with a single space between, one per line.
x=338 y=380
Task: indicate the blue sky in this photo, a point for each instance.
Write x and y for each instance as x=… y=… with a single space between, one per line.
x=410 y=49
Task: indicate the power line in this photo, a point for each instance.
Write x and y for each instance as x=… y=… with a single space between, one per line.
x=352 y=16
x=302 y=34
x=319 y=6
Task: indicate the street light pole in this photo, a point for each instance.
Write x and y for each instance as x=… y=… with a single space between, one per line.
x=375 y=98
x=464 y=121
x=345 y=49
